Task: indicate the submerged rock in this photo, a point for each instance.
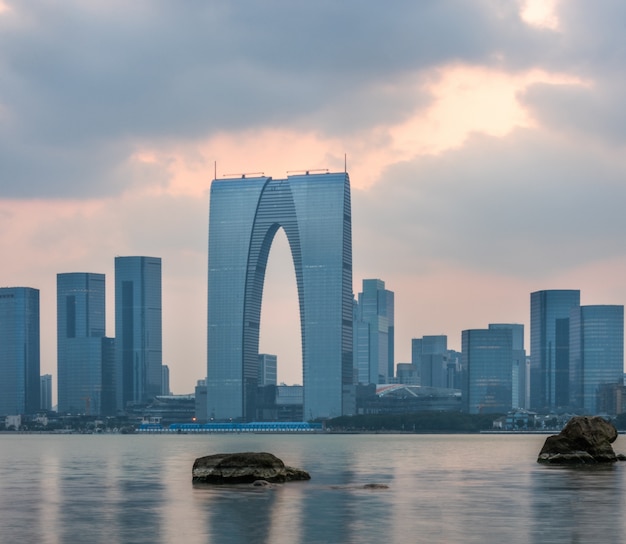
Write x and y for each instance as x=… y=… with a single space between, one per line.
x=244 y=468
x=584 y=440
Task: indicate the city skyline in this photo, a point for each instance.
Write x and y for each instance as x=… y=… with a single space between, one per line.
x=484 y=145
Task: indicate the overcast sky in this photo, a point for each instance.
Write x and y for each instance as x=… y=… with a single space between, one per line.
x=485 y=143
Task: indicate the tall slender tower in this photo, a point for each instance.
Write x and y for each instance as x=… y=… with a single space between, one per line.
x=19 y=350
x=81 y=365
x=138 y=329
x=549 y=347
x=374 y=326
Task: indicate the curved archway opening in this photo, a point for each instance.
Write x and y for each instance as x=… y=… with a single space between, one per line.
x=280 y=331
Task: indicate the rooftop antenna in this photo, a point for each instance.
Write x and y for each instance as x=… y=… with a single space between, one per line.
x=345 y=163
x=243 y=175
x=307 y=172
x=214 y=169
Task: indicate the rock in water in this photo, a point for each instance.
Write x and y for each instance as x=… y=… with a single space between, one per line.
x=584 y=440
x=244 y=468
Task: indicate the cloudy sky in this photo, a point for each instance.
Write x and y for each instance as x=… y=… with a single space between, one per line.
x=484 y=139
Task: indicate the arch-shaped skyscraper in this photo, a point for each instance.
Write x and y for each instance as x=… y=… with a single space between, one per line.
x=245 y=214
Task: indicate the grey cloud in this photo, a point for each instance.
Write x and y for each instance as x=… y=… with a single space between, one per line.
x=79 y=76
x=595 y=112
x=524 y=205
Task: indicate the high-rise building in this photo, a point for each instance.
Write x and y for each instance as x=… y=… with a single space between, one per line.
x=45 y=392
x=268 y=369
x=429 y=355
x=549 y=347
x=138 y=329
x=245 y=214
x=19 y=351
x=519 y=369
x=81 y=346
x=374 y=333
x=596 y=353
x=487 y=357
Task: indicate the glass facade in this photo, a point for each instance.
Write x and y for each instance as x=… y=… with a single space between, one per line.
x=80 y=329
x=520 y=384
x=138 y=329
x=19 y=351
x=549 y=347
x=596 y=353
x=487 y=357
x=245 y=214
x=429 y=355
x=374 y=333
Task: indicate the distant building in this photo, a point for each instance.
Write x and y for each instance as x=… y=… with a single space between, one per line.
x=406 y=374
x=268 y=369
x=429 y=356
x=138 y=329
x=19 y=351
x=402 y=399
x=611 y=399
x=549 y=347
x=487 y=362
x=245 y=213
x=596 y=354
x=519 y=377
x=165 y=380
x=45 y=392
x=200 y=401
x=374 y=333
x=85 y=369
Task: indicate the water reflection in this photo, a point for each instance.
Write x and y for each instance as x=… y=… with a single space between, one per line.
x=578 y=504
x=470 y=489
x=236 y=514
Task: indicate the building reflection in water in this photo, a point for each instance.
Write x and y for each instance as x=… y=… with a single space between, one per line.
x=578 y=504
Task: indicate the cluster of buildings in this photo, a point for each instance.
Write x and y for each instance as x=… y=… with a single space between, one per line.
x=97 y=375
x=576 y=362
x=576 y=353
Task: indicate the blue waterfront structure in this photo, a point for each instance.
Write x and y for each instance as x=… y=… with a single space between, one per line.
x=596 y=353
x=230 y=427
x=85 y=371
x=19 y=351
x=138 y=329
x=487 y=370
x=245 y=213
x=549 y=347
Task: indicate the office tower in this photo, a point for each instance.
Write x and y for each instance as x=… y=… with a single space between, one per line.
x=374 y=331
x=45 y=392
x=519 y=383
x=429 y=355
x=19 y=350
x=487 y=356
x=268 y=369
x=138 y=329
x=245 y=214
x=549 y=347
x=596 y=353
x=165 y=380
x=80 y=333
x=406 y=374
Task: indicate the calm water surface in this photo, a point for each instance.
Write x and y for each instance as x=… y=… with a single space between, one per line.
x=442 y=488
